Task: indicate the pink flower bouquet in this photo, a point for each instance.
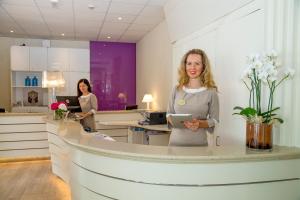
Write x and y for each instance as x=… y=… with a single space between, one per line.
x=59 y=109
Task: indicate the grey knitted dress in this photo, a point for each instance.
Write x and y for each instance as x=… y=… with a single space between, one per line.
x=89 y=103
x=202 y=103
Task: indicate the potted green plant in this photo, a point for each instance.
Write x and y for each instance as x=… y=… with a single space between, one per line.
x=261 y=69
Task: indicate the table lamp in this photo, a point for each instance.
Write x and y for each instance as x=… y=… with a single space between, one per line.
x=147 y=99
x=53 y=79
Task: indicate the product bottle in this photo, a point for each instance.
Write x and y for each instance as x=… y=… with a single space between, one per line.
x=27 y=81
x=34 y=81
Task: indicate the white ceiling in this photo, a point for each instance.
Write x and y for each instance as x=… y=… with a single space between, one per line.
x=42 y=19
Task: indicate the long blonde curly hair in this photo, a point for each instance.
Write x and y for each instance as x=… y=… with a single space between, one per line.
x=206 y=76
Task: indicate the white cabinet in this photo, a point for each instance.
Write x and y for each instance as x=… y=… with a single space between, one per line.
x=64 y=91
x=26 y=98
x=19 y=58
x=71 y=79
x=79 y=60
x=74 y=77
x=58 y=59
x=23 y=136
x=28 y=61
x=25 y=58
x=37 y=58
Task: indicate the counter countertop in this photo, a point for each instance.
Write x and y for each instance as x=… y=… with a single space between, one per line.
x=98 y=112
x=22 y=114
x=72 y=133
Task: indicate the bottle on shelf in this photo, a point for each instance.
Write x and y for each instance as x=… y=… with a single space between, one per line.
x=27 y=81
x=34 y=81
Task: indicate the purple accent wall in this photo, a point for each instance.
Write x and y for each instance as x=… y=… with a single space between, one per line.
x=113 y=74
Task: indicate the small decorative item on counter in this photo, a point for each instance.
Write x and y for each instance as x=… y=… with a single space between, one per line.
x=34 y=81
x=59 y=109
x=27 y=81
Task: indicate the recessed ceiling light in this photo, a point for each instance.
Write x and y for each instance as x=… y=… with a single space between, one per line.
x=108 y=37
x=120 y=18
x=11 y=31
x=62 y=34
x=54 y=1
x=91 y=6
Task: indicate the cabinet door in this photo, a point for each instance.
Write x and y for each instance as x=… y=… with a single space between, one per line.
x=37 y=58
x=65 y=90
x=19 y=58
x=58 y=59
x=74 y=77
x=79 y=60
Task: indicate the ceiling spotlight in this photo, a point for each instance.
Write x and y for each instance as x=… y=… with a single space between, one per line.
x=62 y=34
x=11 y=31
x=91 y=6
x=54 y=1
x=120 y=18
x=108 y=37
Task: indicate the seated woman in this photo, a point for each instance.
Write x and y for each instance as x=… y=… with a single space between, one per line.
x=89 y=105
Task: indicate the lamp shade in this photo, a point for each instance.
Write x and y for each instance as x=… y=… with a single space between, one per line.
x=147 y=98
x=53 y=79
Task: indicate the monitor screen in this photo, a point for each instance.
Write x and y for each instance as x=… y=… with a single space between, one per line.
x=71 y=101
x=131 y=107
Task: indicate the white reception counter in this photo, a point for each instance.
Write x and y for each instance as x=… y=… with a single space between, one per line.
x=99 y=169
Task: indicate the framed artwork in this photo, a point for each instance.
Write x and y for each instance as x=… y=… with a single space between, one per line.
x=32 y=97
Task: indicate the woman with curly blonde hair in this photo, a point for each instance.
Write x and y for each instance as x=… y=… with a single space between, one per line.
x=196 y=94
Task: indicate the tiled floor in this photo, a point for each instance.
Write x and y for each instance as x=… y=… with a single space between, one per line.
x=32 y=180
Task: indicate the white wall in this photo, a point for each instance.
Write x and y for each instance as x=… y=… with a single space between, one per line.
x=258 y=26
x=188 y=16
x=283 y=35
x=297 y=77
x=291 y=99
x=227 y=42
x=154 y=67
x=6 y=43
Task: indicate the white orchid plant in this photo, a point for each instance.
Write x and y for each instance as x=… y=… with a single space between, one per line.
x=262 y=69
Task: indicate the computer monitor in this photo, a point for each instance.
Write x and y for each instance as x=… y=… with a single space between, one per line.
x=71 y=101
x=131 y=107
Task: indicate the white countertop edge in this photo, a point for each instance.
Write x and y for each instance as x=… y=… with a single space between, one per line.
x=185 y=159
x=165 y=154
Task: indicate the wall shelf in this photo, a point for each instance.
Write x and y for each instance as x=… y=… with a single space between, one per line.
x=22 y=86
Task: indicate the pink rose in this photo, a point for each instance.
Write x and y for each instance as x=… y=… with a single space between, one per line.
x=63 y=107
x=54 y=106
x=61 y=102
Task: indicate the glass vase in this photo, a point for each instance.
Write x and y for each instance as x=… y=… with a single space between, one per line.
x=259 y=136
x=57 y=116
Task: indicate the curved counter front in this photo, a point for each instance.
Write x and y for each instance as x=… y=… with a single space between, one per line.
x=100 y=169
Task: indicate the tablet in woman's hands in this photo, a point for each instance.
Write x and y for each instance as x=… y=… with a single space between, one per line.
x=78 y=116
x=179 y=119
